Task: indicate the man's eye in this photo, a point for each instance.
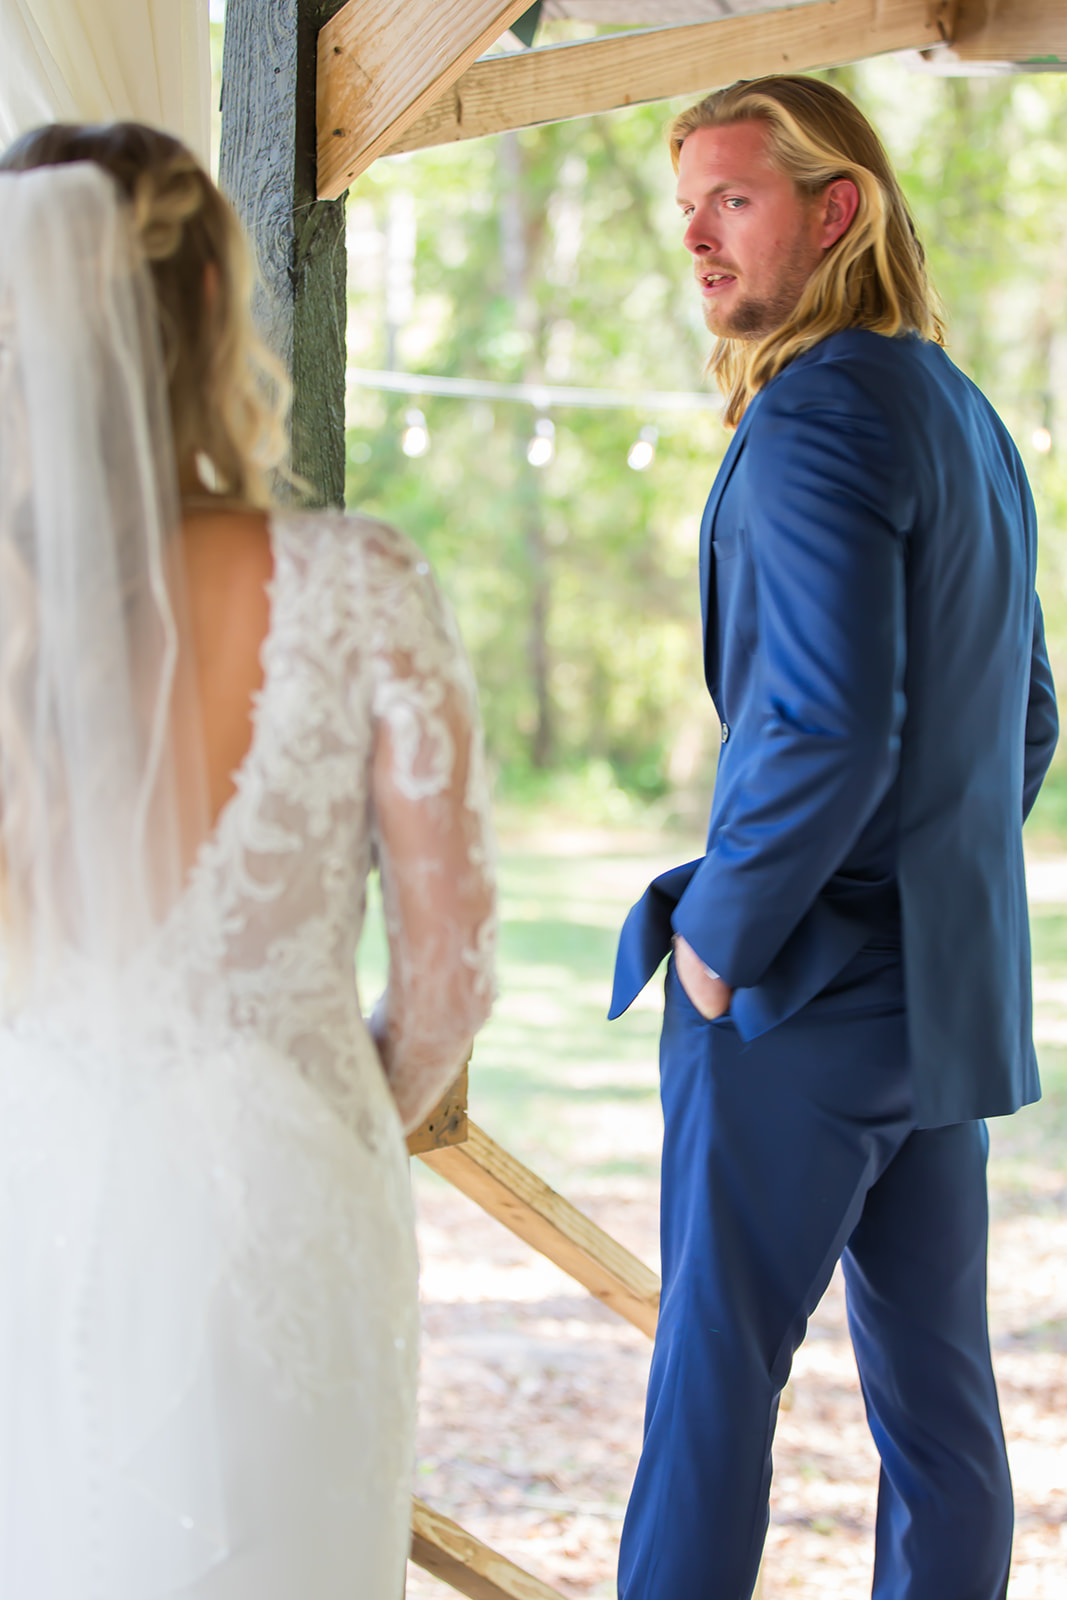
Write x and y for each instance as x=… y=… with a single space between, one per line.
x=734 y=202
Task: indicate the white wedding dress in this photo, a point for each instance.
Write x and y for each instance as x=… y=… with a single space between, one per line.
x=208 y=1319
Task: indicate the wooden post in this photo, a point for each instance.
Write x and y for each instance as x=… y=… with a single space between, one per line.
x=267 y=169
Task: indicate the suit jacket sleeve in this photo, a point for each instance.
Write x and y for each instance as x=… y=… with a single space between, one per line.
x=1042 y=720
x=826 y=536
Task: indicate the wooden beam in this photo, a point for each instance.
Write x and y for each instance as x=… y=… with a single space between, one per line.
x=575 y=80
x=524 y=1203
x=441 y=1547
x=382 y=64
x=447 y=1123
x=267 y=168
x=1017 y=32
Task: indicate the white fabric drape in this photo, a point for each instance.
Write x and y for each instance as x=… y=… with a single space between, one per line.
x=106 y=60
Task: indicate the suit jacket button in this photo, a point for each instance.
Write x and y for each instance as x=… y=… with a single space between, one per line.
x=725 y=732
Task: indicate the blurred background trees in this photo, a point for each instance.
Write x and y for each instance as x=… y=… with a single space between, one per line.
x=547 y=257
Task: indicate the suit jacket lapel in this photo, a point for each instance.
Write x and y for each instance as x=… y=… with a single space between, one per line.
x=707 y=565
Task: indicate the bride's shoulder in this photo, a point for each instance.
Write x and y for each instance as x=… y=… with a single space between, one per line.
x=350 y=538
x=374 y=569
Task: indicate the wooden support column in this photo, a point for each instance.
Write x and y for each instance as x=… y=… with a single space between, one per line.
x=268 y=170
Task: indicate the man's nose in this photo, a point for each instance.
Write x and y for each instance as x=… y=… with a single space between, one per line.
x=698 y=236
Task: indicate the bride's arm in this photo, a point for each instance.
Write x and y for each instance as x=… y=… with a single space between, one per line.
x=430 y=804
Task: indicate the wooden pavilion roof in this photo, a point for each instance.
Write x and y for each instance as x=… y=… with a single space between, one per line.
x=401 y=77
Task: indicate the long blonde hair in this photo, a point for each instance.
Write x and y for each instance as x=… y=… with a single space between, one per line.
x=874 y=276
x=228 y=394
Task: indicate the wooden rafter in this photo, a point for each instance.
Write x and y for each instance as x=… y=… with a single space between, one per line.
x=574 y=80
x=1022 y=32
x=380 y=65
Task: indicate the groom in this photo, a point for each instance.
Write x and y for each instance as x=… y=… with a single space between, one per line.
x=849 y=990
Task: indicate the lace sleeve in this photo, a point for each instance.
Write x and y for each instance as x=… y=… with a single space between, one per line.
x=430 y=804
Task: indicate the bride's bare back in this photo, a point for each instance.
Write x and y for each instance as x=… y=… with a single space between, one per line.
x=228 y=569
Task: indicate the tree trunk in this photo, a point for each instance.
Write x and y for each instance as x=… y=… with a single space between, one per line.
x=542 y=743
x=515 y=265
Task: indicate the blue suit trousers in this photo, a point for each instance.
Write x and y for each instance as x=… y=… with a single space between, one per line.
x=781 y=1156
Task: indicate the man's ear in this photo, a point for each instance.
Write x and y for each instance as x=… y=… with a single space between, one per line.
x=838 y=205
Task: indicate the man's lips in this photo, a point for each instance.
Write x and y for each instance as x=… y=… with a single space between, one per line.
x=713 y=282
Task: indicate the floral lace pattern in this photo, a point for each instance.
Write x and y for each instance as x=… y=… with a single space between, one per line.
x=360 y=643
x=367 y=707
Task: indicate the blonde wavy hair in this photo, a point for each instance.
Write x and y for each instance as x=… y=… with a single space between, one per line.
x=874 y=276
x=229 y=396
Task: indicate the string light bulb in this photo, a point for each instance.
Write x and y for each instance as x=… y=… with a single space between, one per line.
x=643 y=450
x=542 y=447
x=416 y=440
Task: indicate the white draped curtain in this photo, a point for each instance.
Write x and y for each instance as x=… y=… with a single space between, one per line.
x=106 y=60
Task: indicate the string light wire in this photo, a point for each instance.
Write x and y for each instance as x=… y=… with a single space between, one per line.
x=541 y=396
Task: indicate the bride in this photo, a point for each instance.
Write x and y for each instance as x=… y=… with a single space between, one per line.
x=213 y=719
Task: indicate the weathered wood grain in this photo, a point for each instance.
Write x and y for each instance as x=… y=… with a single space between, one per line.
x=267 y=168
x=523 y=1202
x=441 y=1547
x=575 y=80
x=381 y=65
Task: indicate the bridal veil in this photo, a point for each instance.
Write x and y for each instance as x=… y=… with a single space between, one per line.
x=100 y=811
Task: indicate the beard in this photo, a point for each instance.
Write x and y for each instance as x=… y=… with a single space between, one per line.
x=754 y=318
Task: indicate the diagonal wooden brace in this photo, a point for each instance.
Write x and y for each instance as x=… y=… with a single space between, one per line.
x=441 y=1547
x=523 y=1202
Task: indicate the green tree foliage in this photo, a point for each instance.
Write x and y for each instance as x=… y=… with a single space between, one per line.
x=554 y=256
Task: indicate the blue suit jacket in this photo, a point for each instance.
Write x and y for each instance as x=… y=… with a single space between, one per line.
x=874 y=646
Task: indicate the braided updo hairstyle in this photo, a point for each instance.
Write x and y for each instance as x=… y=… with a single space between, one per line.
x=228 y=394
